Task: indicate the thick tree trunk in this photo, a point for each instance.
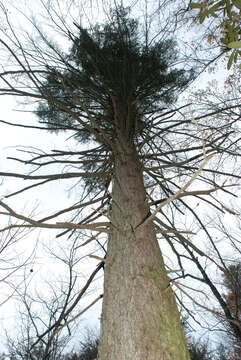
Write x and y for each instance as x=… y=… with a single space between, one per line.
x=140 y=320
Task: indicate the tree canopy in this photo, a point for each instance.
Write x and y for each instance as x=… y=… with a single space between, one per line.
x=110 y=86
x=109 y=64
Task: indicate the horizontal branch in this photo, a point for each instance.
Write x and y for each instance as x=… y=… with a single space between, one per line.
x=98 y=226
x=73 y=207
x=39 y=127
x=195 y=193
x=56 y=176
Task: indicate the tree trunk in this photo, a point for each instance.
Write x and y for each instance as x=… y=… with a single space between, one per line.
x=140 y=320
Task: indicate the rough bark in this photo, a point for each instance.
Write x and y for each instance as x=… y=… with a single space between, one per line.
x=140 y=320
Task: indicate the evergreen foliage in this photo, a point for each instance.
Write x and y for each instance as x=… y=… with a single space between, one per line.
x=88 y=350
x=116 y=80
x=109 y=66
x=232 y=281
x=199 y=351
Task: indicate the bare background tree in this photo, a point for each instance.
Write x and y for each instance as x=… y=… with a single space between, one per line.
x=49 y=309
x=13 y=261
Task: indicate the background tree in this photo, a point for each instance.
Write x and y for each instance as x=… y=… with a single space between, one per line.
x=228 y=15
x=88 y=349
x=15 y=258
x=115 y=92
x=232 y=282
x=199 y=351
x=48 y=306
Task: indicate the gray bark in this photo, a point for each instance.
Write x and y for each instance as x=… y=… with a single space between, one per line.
x=140 y=320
